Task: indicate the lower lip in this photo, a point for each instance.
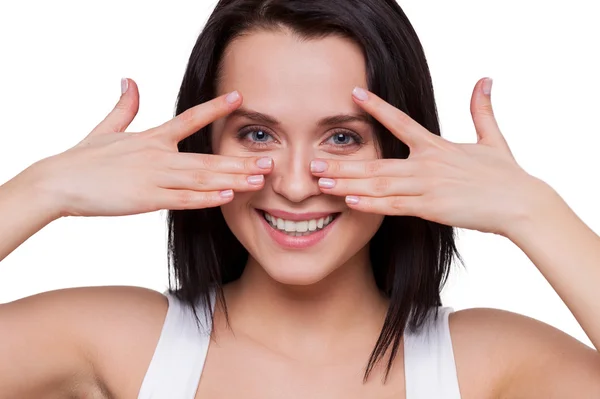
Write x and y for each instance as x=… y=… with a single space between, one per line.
x=299 y=242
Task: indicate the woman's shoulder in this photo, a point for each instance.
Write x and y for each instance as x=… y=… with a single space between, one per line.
x=90 y=338
x=519 y=356
x=123 y=325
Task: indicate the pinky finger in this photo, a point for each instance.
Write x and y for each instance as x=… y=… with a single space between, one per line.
x=189 y=199
x=393 y=206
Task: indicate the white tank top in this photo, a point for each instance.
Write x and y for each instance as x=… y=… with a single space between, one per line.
x=178 y=360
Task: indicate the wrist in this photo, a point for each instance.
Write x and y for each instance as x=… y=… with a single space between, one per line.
x=540 y=204
x=31 y=188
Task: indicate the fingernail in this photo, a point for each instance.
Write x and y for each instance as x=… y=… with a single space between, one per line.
x=256 y=180
x=351 y=200
x=226 y=193
x=326 y=183
x=318 y=166
x=487 y=86
x=264 y=163
x=124 y=85
x=232 y=97
x=360 y=94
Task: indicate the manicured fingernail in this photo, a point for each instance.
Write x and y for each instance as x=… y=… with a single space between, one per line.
x=232 y=97
x=264 y=163
x=226 y=193
x=360 y=94
x=318 y=166
x=351 y=200
x=256 y=180
x=124 y=85
x=487 y=86
x=326 y=183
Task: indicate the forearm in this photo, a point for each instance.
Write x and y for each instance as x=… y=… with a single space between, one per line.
x=24 y=210
x=567 y=253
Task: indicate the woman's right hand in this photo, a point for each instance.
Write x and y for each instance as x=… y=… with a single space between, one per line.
x=113 y=173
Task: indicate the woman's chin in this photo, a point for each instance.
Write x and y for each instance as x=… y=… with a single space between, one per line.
x=293 y=273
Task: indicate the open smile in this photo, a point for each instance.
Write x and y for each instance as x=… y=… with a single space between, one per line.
x=297 y=231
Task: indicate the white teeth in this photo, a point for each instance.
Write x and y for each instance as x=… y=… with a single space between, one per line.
x=298 y=228
x=302 y=227
x=290 y=226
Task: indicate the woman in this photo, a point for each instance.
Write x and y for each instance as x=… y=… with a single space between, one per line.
x=310 y=231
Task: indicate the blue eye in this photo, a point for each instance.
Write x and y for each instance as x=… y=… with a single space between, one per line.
x=259 y=135
x=344 y=139
x=255 y=137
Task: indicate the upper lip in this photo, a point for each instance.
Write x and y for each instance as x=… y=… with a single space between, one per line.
x=297 y=216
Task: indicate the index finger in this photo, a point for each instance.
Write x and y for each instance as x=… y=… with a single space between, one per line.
x=397 y=122
x=358 y=169
x=219 y=163
x=195 y=118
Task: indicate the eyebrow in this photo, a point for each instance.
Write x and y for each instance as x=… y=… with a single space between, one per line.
x=324 y=122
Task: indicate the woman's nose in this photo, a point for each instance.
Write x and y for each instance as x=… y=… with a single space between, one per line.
x=291 y=176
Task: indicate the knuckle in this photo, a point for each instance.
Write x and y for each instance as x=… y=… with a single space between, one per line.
x=334 y=167
x=241 y=181
x=398 y=203
x=216 y=106
x=212 y=108
x=381 y=185
x=401 y=118
x=485 y=109
x=207 y=162
x=122 y=106
x=372 y=167
x=199 y=178
x=249 y=164
x=187 y=117
x=184 y=198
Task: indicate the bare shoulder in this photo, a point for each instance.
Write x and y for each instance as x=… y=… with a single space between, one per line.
x=504 y=354
x=123 y=325
x=98 y=338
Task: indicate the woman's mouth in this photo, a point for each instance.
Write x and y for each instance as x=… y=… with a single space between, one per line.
x=299 y=233
x=298 y=228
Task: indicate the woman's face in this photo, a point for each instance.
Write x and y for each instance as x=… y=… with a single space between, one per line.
x=297 y=107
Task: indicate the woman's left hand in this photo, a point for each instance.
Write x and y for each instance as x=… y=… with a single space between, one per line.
x=474 y=186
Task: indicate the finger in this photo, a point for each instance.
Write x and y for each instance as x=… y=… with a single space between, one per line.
x=397 y=122
x=201 y=180
x=123 y=113
x=393 y=206
x=372 y=187
x=188 y=199
x=195 y=118
x=482 y=112
x=363 y=169
x=219 y=163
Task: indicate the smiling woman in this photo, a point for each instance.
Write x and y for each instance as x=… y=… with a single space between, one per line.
x=297 y=108
x=312 y=214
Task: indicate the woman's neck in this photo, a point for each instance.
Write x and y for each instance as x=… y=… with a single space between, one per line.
x=313 y=316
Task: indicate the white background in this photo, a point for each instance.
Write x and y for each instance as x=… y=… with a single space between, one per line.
x=60 y=69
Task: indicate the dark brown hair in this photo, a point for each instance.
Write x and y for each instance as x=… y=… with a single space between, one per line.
x=411 y=257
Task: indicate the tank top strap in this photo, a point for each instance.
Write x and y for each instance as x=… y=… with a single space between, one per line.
x=178 y=360
x=430 y=370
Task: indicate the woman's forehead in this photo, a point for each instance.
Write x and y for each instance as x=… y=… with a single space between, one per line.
x=279 y=72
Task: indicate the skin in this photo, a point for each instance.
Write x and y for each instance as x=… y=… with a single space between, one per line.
x=287 y=311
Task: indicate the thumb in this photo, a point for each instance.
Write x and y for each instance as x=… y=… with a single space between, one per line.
x=482 y=112
x=123 y=113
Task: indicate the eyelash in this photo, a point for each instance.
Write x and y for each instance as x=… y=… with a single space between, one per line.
x=243 y=136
